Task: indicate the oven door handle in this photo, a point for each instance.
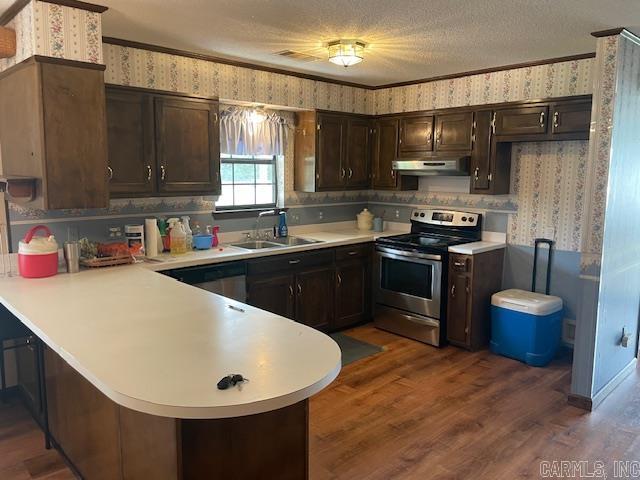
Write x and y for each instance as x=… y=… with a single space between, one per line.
x=402 y=254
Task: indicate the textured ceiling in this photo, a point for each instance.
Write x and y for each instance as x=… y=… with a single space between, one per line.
x=409 y=39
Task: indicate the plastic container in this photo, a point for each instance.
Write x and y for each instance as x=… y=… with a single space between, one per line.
x=178 y=238
x=187 y=230
x=365 y=220
x=283 y=230
x=38 y=256
x=202 y=241
x=526 y=326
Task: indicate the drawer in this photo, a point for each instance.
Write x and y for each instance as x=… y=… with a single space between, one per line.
x=294 y=261
x=361 y=250
x=460 y=263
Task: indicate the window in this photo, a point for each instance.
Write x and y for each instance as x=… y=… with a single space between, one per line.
x=248 y=181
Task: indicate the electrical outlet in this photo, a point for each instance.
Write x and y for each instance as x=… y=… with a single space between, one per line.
x=397 y=213
x=549 y=232
x=320 y=215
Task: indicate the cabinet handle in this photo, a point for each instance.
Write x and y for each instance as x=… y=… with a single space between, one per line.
x=393 y=173
x=429 y=136
x=291 y=290
x=466 y=285
x=350 y=172
x=215 y=118
x=476 y=174
x=493 y=123
x=400 y=137
x=438 y=136
x=542 y=119
x=294 y=262
x=460 y=264
x=339 y=280
x=149 y=171
x=556 y=119
x=453 y=290
x=163 y=172
x=352 y=253
x=343 y=173
x=299 y=289
x=110 y=171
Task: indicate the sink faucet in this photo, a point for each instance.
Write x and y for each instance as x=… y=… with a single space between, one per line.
x=256 y=233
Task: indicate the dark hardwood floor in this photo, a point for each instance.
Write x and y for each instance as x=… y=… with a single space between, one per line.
x=416 y=412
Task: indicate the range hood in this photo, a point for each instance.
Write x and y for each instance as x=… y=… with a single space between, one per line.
x=453 y=167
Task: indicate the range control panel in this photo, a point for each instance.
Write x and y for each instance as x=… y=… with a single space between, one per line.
x=445 y=217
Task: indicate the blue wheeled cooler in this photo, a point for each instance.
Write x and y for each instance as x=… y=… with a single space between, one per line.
x=525 y=325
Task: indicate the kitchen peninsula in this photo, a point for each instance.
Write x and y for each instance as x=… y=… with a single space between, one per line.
x=132 y=361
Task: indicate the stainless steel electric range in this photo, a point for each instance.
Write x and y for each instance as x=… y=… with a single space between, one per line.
x=410 y=273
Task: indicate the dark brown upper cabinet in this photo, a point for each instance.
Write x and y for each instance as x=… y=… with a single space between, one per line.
x=53 y=128
x=490 y=161
x=571 y=120
x=188 y=145
x=454 y=132
x=522 y=121
x=385 y=151
x=130 y=133
x=416 y=135
x=162 y=144
x=332 y=151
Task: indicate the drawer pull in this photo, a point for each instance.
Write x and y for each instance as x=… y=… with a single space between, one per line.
x=299 y=289
x=460 y=264
x=294 y=262
x=291 y=290
x=352 y=252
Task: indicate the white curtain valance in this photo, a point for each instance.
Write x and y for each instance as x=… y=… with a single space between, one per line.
x=245 y=132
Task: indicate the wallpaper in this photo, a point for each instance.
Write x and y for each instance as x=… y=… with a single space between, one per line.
x=142 y=68
x=66 y=32
x=604 y=91
x=23 y=25
x=543 y=81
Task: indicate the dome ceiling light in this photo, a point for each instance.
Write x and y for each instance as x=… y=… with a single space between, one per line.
x=346 y=52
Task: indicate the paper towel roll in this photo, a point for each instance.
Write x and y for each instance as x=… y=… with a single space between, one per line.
x=151 y=236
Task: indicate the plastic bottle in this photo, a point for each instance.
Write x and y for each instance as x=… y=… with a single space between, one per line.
x=178 y=238
x=188 y=232
x=214 y=240
x=283 y=230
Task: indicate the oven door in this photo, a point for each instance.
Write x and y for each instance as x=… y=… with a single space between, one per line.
x=409 y=281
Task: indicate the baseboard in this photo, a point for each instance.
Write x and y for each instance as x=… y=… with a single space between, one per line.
x=590 y=404
x=579 y=401
x=613 y=383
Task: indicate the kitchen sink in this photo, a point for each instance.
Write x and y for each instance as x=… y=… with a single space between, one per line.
x=294 y=241
x=257 y=244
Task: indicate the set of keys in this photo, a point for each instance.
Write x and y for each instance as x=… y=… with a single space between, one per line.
x=231 y=380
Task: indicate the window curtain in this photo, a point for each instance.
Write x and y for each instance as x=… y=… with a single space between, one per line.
x=247 y=131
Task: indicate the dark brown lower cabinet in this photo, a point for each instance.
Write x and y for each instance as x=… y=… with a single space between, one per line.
x=472 y=281
x=353 y=292
x=327 y=289
x=273 y=293
x=314 y=297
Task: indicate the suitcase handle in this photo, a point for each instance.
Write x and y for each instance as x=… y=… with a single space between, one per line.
x=537 y=243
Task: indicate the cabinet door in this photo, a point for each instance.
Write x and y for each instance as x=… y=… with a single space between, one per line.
x=386 y=145
x=273 y=293
x=27 y=369
x=453 y=132
x=331 y=172
x=416 y=135
x=481 y=153
x=358 y=152
x=131 y=142
x=571 y=119
x=314 y=297
x=458 y=309
x=188 y=143
x=353 y=286
x=75 y=135
x=522 y=121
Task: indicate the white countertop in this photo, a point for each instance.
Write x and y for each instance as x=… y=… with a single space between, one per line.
x=226 y=253
x=155 y=345
x=475 y=248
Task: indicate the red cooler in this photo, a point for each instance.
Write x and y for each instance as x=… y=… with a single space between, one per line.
x=38 y=256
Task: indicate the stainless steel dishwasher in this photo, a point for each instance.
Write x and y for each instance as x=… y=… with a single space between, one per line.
x=226 y=279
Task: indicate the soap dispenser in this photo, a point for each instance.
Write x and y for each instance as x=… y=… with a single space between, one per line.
x=283 y=230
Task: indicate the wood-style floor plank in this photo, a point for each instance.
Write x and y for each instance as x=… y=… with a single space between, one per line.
x=417 y=412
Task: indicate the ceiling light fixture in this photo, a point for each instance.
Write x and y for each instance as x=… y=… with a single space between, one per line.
x=346 y=52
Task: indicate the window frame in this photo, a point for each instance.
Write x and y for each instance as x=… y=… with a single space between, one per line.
x=230 y=159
